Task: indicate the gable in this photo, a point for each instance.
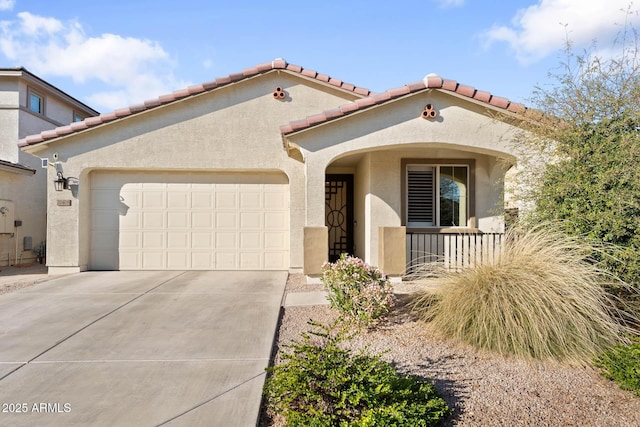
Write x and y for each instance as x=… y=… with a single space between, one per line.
x=459 y=124
x=235 y=126
x=323 y=82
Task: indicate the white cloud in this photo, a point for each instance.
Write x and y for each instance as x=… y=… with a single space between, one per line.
x=543 y=28
x=133 y=70
x=450 y=3
x=7 y=4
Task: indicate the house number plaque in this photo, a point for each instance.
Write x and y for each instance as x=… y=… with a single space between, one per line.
x=64 y=202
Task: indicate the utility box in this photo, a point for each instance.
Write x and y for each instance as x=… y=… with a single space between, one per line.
x=27 y=243
x=7 y=216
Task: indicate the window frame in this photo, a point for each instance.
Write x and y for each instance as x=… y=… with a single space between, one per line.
x=77 y=117
x=41 y=97
x=437 y=163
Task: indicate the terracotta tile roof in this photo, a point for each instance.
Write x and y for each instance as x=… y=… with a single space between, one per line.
x=277 y=64
x=429 y=82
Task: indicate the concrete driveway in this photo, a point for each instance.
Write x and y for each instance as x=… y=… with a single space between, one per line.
x=138 y=348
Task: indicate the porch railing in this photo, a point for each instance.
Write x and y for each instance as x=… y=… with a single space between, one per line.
x=455 y=250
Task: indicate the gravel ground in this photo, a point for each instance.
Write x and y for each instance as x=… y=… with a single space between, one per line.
x=483 y=389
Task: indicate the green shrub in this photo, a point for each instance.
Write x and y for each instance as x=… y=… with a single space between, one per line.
x=622 y=365
x=359 y=291
x=593 y=190
x=324 y=385
x=542 y=298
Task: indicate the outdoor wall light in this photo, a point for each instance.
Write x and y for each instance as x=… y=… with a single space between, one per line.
x=60 y=183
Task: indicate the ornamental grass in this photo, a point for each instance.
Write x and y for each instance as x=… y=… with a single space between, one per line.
x=543 y=298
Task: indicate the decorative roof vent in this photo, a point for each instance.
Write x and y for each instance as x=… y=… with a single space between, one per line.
x=429 y=112
x=279 y=93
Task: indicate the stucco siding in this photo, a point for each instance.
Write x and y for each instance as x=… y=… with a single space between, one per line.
x=393 y=132
x=28 y=193
x=234 y=128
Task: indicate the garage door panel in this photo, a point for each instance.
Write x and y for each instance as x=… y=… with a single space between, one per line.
x=272 y=260
x=103 y=260
x=275 y=221
x=106 y=241
x=250 y=220
x=250 y=200
x=153 y=240
x=153 y=260
x=189 y=221
x=226 y=240
x=274 y=201
x=104 y=198
x=177 y=240
x=250 y=240
x=226 y=260
x=201 y=200
x=130 y=260
x=226 y=220
x=131 y=220
x=202 y=261
x=151 y=220
x=153 y=199
x=274 y=240
x=105 y=220
x=178 y=219
x=178 y=260
x=201 y=240
x=201 y=220
x=131 y=199
x=178 y=200
x=128 y=239
x=250 y=261
x=226 y=200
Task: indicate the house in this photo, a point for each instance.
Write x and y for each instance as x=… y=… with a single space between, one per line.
x=280 y=167
x=28 y=105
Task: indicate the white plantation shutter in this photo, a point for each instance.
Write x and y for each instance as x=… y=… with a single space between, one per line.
x=420 y=196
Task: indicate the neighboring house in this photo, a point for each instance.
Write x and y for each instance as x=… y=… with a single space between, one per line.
x=280 y=167
x=28 y=105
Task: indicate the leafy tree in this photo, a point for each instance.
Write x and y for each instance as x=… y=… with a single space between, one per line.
x=589 y=121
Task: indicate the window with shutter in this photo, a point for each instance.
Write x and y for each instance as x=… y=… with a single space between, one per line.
x=436 y=195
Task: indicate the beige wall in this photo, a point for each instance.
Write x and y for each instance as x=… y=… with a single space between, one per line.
x=374 y=142
x=236 y=128
x=27 y=192
x=233 y=128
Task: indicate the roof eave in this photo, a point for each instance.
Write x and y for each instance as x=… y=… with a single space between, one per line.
x=16 y=168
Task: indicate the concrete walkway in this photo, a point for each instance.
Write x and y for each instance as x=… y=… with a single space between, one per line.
x=138 y=348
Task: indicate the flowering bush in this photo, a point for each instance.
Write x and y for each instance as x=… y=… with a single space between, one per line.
x=360 y=291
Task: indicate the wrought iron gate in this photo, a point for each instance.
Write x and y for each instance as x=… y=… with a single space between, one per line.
x=338 y=192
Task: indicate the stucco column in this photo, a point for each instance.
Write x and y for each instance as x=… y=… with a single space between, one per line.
x=315 y=180
x=316 y=249
x=392 y=250
x=316 y=237
x=63 y=239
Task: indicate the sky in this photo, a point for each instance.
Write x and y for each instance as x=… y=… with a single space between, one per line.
x=113 y=54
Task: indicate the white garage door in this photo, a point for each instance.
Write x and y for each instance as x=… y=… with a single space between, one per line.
x=195 y=221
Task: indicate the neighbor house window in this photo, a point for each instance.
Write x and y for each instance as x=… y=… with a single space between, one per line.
x=77 y=117
x=35 y=102
x=437 y=195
